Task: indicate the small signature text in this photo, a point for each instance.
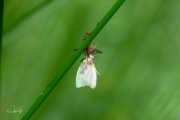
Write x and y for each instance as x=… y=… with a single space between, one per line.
x=16 y=110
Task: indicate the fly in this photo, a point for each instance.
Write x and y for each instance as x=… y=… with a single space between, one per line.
x=90 y=50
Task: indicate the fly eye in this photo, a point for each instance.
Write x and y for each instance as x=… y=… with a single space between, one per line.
x=91 y=50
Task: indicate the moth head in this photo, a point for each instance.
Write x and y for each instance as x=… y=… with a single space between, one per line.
x=91 y=57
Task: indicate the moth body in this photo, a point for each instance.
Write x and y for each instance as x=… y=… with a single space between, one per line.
x=86 y=74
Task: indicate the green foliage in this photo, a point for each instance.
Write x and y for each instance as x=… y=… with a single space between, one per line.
x=139 y=66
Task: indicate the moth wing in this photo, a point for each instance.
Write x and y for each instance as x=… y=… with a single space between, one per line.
x=80 y=81
x=90 y=76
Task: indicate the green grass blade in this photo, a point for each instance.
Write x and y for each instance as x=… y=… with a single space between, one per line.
x=1 y=27
x=72 y=60
x=33 y=18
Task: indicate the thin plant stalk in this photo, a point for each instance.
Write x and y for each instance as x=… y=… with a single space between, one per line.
x=1 y=26
x=72 y=60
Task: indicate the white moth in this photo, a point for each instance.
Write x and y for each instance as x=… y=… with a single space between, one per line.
x=86 y=74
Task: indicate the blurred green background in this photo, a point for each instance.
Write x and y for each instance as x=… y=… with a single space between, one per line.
x=139 y=66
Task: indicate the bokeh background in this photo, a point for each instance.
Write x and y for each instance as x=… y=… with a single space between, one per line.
x=139 y=66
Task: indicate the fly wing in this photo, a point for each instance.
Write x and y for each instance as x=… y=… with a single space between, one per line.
x=90 y=76
x=80 y=82
x=98 y=51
